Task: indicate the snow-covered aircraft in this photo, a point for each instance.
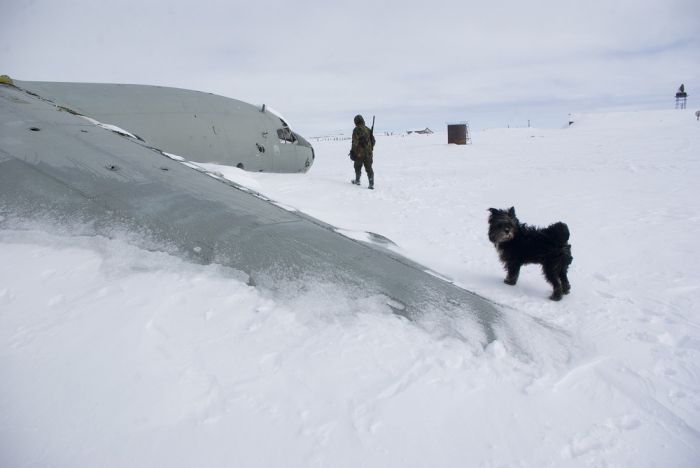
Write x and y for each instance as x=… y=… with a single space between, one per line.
x=199 y=126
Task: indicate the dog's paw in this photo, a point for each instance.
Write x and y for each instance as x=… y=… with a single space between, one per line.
x=510 y=281
x=556 y=296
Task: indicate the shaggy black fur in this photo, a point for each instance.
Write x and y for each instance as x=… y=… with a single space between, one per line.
x=519 y=244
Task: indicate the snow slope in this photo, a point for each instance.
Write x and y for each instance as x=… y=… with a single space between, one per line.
x=115 y=356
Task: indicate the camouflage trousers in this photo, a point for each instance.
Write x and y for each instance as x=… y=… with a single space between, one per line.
x=367 y=162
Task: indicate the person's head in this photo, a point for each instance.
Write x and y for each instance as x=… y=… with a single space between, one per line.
x=359 y=120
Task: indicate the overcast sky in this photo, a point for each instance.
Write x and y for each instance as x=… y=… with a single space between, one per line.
x=412 y=63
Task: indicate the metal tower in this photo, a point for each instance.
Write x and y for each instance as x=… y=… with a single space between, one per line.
x=681 y=97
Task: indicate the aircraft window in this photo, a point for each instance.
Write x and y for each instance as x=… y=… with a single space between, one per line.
x=286 y=135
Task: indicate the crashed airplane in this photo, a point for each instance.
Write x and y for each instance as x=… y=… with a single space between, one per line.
x=55 y=163
x=206 y=127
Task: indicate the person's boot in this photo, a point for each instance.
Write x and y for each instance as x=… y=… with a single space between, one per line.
x=371 y=183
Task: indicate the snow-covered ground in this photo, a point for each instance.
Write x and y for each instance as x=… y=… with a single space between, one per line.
x=115 y=356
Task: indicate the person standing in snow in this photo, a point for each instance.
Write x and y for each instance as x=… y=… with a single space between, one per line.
x=361 y=151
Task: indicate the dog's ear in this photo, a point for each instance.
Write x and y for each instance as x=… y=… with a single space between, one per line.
x=494 y=211
x=511 y=211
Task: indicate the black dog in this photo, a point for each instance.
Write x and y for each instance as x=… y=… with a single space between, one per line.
x=519 y=244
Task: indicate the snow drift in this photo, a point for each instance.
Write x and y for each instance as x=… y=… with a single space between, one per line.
x=113 y=355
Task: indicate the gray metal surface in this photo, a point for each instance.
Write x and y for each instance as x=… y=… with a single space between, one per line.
x=58 y=165
x=199 y=126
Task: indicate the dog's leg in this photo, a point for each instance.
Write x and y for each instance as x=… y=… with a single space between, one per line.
x=513 y=270
x=565 y=285
x=565 y=270
x=552 y=277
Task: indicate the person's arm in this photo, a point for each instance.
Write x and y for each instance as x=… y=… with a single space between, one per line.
x=355 y=140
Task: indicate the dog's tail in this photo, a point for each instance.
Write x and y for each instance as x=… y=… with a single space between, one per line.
x=559 y=232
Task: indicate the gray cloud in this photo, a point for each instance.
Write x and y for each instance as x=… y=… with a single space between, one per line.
x=411 y=63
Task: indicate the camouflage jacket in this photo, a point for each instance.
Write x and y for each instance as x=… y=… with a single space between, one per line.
x=362 y=142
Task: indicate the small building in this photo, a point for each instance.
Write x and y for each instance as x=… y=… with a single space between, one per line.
x=424 y=131
x=458 y=133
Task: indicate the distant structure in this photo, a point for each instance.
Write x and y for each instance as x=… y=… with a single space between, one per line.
x=697 y=115
x=424 y=131
x=681 y=97
x=458 y=133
